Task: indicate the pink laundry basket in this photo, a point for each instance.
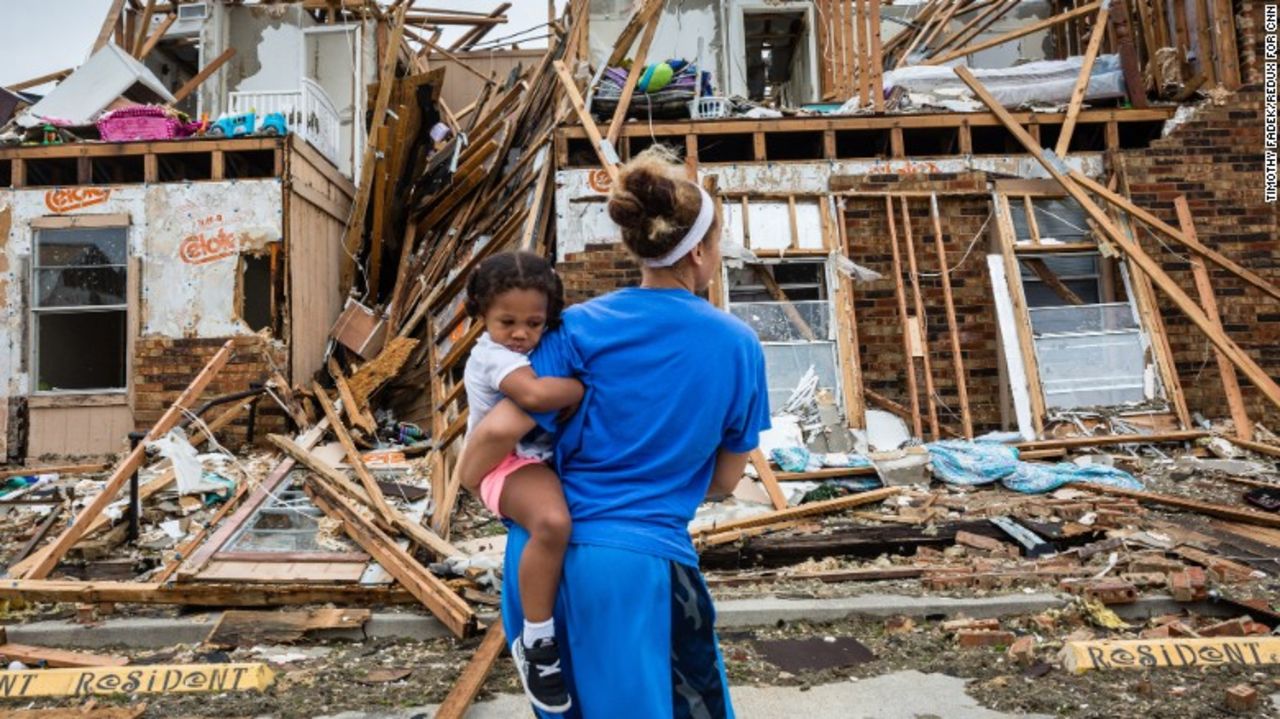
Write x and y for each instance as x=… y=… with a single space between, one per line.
x=144 y=122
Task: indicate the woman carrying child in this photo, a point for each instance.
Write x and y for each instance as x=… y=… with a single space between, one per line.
x=675 y=400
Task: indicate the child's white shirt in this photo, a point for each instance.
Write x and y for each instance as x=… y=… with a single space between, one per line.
x=488 y=365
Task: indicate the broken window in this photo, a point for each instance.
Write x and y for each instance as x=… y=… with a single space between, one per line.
x=1090 y=351
x=777 y=57
x=288 y=522
x=79 y=308
x=1051 y=220
x=1061 y=279
x=787 y=304
x=256 y=291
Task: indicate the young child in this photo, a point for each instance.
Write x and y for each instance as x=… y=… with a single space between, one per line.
x=518 y=295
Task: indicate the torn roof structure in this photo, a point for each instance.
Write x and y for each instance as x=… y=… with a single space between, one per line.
x=1033 y=223
x=107 y=75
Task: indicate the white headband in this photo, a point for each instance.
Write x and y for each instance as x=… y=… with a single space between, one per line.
x=706 y=214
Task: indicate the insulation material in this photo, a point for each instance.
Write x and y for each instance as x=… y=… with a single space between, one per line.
x=768 y=225
x=1046 y=82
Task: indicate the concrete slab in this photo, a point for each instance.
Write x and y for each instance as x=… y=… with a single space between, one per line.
x=900 y=695
x=136 y=632
x=769 y=610
x=763 y=611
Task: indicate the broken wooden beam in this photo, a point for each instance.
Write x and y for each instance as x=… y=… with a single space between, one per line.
x=1191 y=243
x=1188 y=435
x=417 y=533
x=473 y=675
x=633 y=75
x=603 y=151
x=1014 y=34
x=354 y=460
x=1244 y=516
x=57 y=658
x=1204 y=289
x=214 y=65
x=768 y=478
x=452 y=611
x=805 y=510
x=1082 y=80
x=54 y=469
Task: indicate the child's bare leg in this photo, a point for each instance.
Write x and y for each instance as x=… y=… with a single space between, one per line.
x=532 y=497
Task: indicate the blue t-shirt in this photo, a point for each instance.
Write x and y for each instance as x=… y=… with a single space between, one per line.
x=670 y=380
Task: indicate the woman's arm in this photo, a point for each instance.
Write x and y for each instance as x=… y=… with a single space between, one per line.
x=540 y=394
x=728 y=472
x=491 y=441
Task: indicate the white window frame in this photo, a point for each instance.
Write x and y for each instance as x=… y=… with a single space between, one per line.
x=833 y=330
x=45 y=224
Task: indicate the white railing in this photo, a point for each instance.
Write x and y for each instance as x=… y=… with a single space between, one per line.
x=309 y=112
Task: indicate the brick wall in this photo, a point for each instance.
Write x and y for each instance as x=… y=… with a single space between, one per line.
x=1215 y=160
x=884 y=363
x=164 y=367
x=597 y=270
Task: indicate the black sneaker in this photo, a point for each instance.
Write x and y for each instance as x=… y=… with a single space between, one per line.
x=539 y=669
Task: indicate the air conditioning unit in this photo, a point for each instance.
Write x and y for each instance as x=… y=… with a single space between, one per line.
x=191 y=17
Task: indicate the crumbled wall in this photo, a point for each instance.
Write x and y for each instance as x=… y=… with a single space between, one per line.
x=164 y=366
x=1215 y=160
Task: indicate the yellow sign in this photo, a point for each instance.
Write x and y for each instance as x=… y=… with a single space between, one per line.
x=136 y=680
x=1079 y=657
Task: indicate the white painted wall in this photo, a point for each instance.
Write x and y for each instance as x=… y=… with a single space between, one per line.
x=181 y=296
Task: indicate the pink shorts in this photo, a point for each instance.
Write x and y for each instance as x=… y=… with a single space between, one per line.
x=493 y=482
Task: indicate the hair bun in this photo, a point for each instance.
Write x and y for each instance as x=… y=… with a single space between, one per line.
x=626 y=209
x=653 y=203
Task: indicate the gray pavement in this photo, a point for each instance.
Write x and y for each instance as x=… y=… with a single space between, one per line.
x=900 y=695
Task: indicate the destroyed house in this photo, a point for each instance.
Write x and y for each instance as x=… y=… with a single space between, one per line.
x=128 y=262
x=966 y=233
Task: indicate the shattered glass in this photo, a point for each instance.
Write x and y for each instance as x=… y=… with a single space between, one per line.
x=774 y=324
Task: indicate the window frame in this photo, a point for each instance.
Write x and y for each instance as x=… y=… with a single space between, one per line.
x=826 y=291
x=116 y=221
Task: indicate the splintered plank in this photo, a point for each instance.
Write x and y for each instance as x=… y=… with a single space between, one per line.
x=206 y=71
x=57 y=658
x=242 y=628
x=447 y=606
x=805 y=510
x=1204 y=288
x=768 y=479
x=473 y=675
x=353 y=455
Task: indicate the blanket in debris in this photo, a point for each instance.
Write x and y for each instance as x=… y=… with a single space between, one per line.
x=975 y=463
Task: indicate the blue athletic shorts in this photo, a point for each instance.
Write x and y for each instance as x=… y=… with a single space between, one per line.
x=636 y=634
